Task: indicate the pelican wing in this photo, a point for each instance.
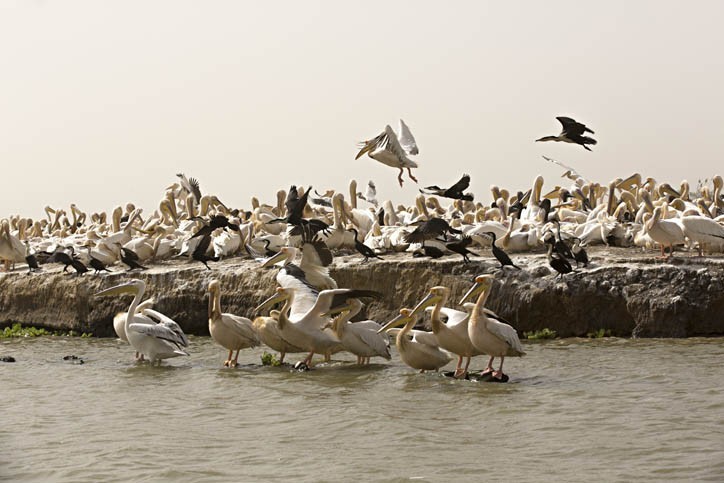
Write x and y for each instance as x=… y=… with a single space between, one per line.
x=572 y=173
x=393 y=145
x=425 y=338
x=407 y=141
x=378 y=342
x=160 y=332
x=507 y=333
x=315 y=252
x=454 y=317
x=241 y=326
x=195 y=189
x=170 y=325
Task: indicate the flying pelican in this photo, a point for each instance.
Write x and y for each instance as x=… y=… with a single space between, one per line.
x=388 y=149
x=155 y=341
x=228 y=330
x=417 y=352
x=572 y=133
x=488 y=335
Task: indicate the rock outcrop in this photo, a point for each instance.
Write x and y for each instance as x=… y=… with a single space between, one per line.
x=623 y=291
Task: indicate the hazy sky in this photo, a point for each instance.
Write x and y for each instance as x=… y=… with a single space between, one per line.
x=103 y=102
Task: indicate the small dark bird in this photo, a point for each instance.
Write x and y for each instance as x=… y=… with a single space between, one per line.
x=455 y=191
x=520 y=202
x=461 y=247
x=96 y=264
x=499 y=254
x=558 y=263
x=432 y=252
x=199 y=253
x=363 y=249
x=30 y=259
x=432 y=228
x=80 y=269
x=572 y=133
x=545 y=207
x=59 y=256
x=579 y=253
x=216 y=221
x=562 y=247
x=130 y=258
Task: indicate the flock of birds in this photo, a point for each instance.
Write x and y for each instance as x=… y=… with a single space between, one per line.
x=309 y=226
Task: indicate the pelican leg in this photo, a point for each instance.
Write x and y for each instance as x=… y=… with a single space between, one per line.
x=227 y=362
x=308 y=360
x=458 y=367
x=409 y=171
x=281 y=357
x=489 y=367
x=235 y=362
x=499 y=373
x=399 y=178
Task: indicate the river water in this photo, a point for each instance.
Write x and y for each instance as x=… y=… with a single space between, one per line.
x=605 y=409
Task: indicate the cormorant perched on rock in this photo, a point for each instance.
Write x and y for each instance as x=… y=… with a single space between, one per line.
x=96 y=264
x=558 y=263
x=579 y=254
x=80 y=269
x=455 y=191
x=363 y=249
x=461 y=247
x=432 y=228
x=199 y=253
x=572 y=133
x=432 y=252
x=499 y=254
x=30 y=258
x=59 y=256
x=130 y=258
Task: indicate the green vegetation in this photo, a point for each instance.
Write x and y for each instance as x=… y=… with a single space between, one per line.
x=268 y=359
x=599 y=334
x=18 y=330
x=540 y=334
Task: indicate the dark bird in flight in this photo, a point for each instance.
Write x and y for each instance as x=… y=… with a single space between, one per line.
x=432 y=228
x=573 y=132
x=455 y=191
x=200 y=254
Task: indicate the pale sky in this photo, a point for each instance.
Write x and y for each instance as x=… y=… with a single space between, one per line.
x=103 y=102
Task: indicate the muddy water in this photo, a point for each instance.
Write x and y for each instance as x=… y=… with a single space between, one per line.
x=609 y=409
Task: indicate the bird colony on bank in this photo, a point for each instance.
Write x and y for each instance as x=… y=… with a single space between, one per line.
x=304 y=227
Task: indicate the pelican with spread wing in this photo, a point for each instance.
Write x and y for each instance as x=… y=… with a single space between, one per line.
x=389 y=149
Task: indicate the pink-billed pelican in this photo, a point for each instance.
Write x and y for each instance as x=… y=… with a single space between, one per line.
x=228 y=330
x=453 y=335
x=155 y=341
x=359 y=338
x=488 y=335
x=388 y=149
x=665 y=232
x=417 y=352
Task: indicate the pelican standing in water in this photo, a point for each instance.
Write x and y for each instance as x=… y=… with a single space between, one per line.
x=155 y=341
x=388 y=149
x=490 y=336
x=359 y=338
x=228 y=330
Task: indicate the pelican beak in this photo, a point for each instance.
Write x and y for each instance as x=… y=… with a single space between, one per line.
x=367 y=146
x=397 y=321
x=474 y=290
x=426 y=302
x=274 y=299
x=279 y=257
x=118 y=289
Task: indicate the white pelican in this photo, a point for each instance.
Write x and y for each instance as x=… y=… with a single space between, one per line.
x=228 y=330
x=453 y=335
x=665 y=232
x=316 y=259
x=418 y=353
x=155 y=341
x=359 y=338
x=492 y=337
x=267 y=329
x=388 y=149
x=703 y=231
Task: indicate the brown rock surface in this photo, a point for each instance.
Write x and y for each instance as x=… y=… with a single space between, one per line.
x=623 y=290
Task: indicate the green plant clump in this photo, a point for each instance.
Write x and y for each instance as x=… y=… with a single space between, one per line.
x=17 y=330
x=541 y=334
x=599 y=334
x=268 y=359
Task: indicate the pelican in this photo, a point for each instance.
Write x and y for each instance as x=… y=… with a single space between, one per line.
x=665 y=232
x=703 y=231
x=359 y=338
x=155 y=341
x=228 y=330
x=453 y=335
x=488 y=335
x=313 y=267
x=388 y=149
x=267 y=329
x=417 y=352
x=572 y=133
